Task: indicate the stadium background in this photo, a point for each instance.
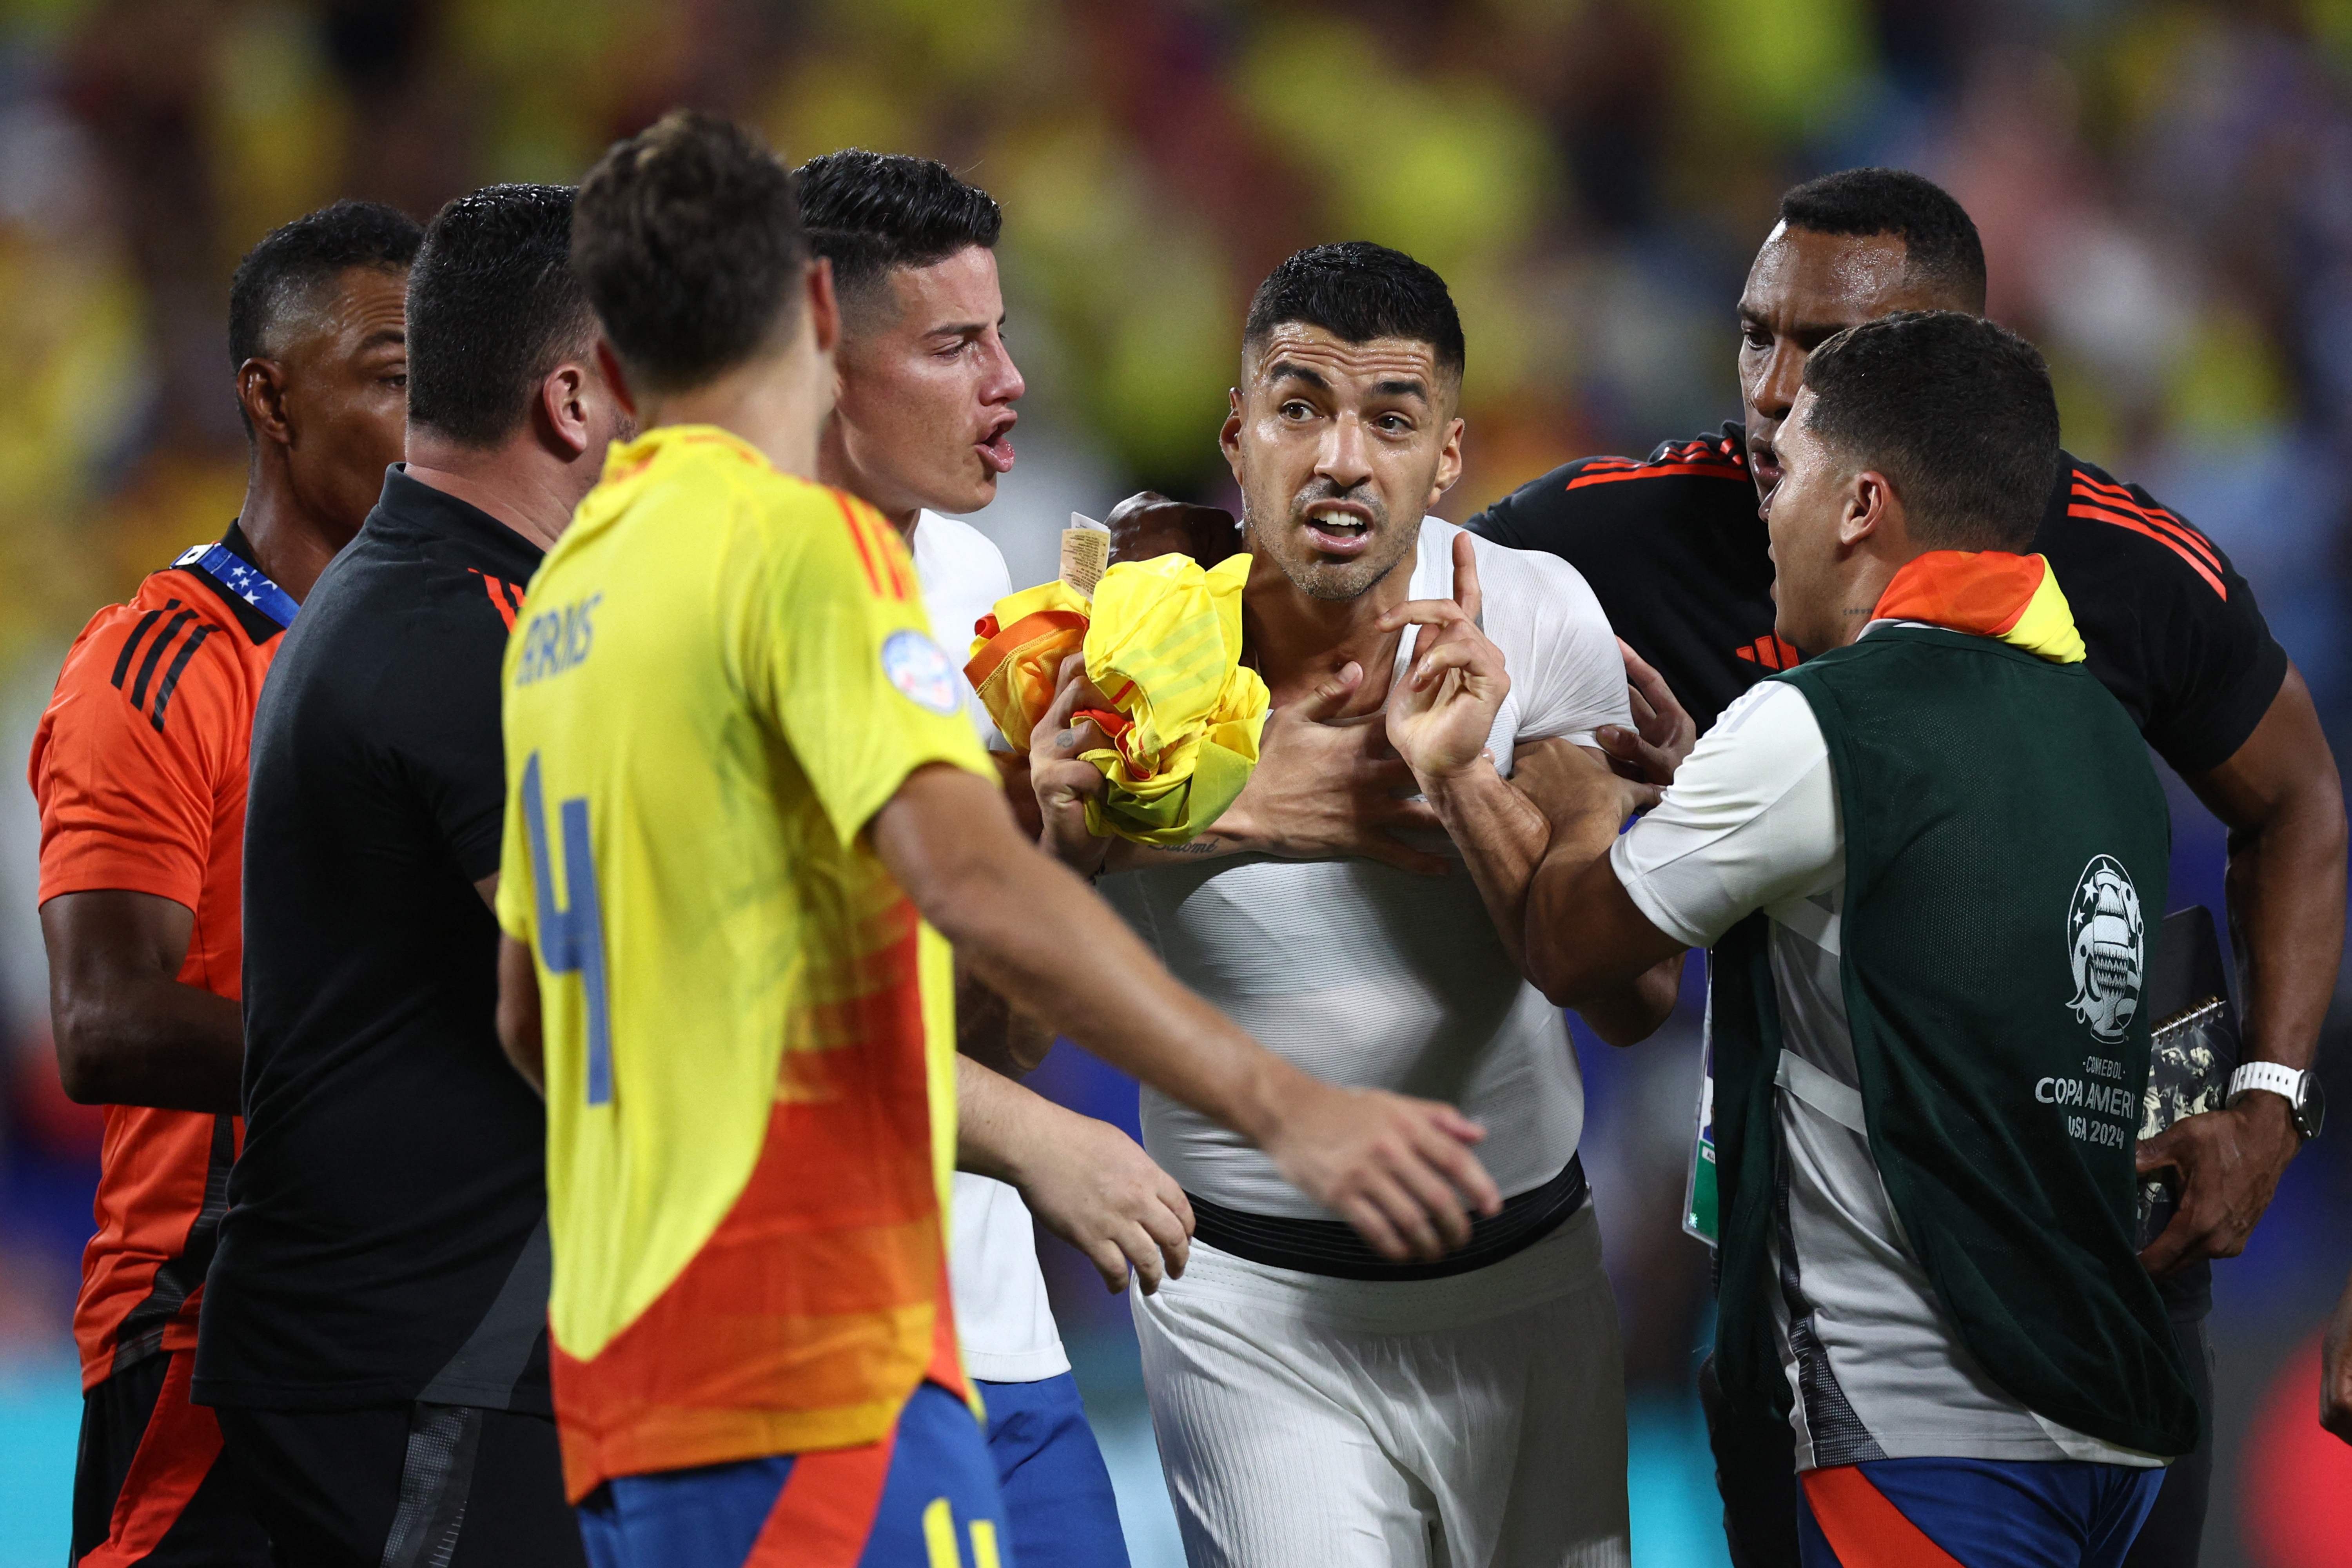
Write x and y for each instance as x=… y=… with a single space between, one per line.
x=2165 y=197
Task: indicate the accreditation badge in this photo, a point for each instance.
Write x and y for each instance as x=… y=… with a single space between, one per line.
x=1699 y=1212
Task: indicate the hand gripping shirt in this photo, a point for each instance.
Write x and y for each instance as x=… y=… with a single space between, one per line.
x=138 y=768
x=722 y=674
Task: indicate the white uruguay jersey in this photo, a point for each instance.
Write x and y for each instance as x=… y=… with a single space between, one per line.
x=1368 y=975
x=1875 y=1369
x=1002 y=1318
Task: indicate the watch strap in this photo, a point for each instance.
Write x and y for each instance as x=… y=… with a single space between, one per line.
x=2275 y=1076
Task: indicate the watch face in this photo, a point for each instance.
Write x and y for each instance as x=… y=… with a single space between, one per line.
x=2311 y=1111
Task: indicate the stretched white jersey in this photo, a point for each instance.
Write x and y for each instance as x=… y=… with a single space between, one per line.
x=1368 y=975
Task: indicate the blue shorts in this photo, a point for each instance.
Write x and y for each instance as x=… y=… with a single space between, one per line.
x=1056 y=1492
x=1973 y=1513
x=925 y=1497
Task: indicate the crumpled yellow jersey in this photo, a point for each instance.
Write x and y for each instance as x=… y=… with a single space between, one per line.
x=1162 y=640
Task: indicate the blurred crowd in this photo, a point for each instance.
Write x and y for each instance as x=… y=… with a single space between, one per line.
x=2165 y=192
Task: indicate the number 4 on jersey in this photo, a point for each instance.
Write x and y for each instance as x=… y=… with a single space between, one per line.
x=572 y=940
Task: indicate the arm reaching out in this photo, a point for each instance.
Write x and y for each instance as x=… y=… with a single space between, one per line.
x=1400 y=1170
x=1440 y=713
x=1440 y=716
x=1662 y=733
x=1589 y=947
x=1086 y=1179
x=994 y=1033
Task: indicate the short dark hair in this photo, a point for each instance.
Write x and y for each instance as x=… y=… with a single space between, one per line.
x=1940 y=239
x=493 y=305
x=1358 y=291
x=689 y=238
x=870 y=213
x=285 y=271
x=1955 y=411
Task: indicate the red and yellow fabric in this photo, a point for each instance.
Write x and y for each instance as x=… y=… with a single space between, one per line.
x=724 y=672
x=1990 y=593
x=1162 y=640
x=1016 y=659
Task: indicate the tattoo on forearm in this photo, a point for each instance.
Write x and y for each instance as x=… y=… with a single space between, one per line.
x=1208 y=844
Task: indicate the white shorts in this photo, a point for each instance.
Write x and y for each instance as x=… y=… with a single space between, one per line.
x=1476 y=1420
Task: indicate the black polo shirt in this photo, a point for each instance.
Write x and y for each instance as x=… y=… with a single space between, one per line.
x=1676 y=551
x=386 y=1236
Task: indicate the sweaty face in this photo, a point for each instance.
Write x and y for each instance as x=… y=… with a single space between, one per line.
x=1801 y=515
x=1340 y=448
x=1805 y=288
x=346 y=392
x=925 y=413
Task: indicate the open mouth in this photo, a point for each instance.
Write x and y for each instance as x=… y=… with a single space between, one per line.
x=995 y=449
x=1766 y=467
x=1339 y=530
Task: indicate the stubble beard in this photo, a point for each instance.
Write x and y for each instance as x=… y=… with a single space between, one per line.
x=1333 y=581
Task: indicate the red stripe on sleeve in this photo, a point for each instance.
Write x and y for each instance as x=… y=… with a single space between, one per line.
x=2142 y=525
x=894 y=551
x=1713 y=470
x=2121 y=492
x=2088 y=490
x=858 y=536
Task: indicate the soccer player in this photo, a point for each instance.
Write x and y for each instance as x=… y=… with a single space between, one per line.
x=1676 y=550
x=744 y=795
x=922 y=426
x=1315 y=1401
x=1927 y=861
x=375 y=1330
x=139 y=769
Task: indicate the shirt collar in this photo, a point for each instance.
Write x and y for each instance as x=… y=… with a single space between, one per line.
x=412 y=503
x=1986 y=593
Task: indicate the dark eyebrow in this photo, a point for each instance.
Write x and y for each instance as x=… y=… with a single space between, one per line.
x=958 y=330
x=1284 y=370
x=1804 y=332
x=1410 y=386
x=395 y=336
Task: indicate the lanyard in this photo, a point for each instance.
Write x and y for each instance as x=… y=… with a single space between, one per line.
x=247 y=582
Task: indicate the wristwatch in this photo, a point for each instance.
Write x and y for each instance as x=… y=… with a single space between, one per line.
x=2299 y=1090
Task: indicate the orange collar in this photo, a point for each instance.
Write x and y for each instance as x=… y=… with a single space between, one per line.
x=1990 y=593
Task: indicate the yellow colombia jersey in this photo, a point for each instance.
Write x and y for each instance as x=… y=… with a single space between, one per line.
x=724 y=672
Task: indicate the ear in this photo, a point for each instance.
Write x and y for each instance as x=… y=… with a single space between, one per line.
x=1871 y=508
x=824 y=308
x=1449 y=464
x=563 y=409
x=1229 y=438
x=614 y=377
x=261 y=392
